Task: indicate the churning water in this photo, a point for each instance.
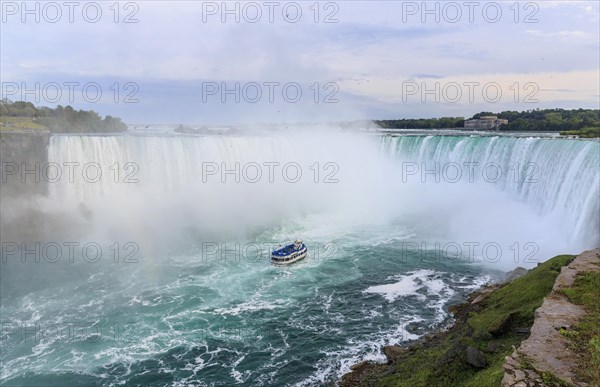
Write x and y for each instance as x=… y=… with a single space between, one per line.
x=398 y=228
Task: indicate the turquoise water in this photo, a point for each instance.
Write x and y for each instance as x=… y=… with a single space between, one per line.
x=220 y=323
x=200 y=304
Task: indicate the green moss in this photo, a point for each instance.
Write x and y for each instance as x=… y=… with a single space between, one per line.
x=551 y=380
x=441 y=360
x=514 y=304
x=490 y=376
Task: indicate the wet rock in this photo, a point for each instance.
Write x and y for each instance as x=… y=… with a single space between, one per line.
x=392 y=352
x=359 y=366
x=475 y=357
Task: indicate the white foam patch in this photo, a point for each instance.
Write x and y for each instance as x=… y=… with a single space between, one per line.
x=251 y=306
x=407 y=286
x=339 y=362
x=433 y=288
x=475 y=283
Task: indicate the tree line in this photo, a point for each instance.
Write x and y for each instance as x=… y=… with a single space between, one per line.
x=423 y=123
x=62 y=119
x=549 y=120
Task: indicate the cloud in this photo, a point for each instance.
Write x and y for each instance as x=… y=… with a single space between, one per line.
x=369 y=51
x=567 y=36
x=432 y=76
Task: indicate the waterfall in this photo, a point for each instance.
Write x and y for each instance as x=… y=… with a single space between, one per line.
x=160 y=183
x=558 y=178
x=220 y=183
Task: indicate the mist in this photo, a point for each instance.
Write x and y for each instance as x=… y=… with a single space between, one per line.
x=174 y=192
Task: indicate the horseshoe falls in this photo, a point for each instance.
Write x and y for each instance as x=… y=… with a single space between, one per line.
x=398 y=228
x=558 y=179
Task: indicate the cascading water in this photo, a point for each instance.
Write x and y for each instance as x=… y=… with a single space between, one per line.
x=179 y=315
x=232 y=183
x=558 y=178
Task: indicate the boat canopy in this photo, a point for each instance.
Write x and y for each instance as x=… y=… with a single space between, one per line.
x=289 y=249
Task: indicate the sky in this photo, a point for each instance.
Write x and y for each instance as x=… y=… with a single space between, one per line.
x=235 y=62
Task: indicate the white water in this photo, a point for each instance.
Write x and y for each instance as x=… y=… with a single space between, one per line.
x=329 y=311
x=547 y=194
x=558 y=179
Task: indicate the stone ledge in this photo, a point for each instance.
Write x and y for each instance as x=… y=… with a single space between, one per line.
x=546 y=350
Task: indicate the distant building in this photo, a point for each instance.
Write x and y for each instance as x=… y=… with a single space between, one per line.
x=485 y=123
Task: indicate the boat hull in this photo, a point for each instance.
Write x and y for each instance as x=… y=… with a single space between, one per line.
x=288 y=260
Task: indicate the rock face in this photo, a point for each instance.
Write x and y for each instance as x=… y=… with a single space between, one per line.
x=359 y=366
x=546 y=350
x=514 y=274
x=392 y=352
x=21 y=152
x=475 y=357
x=515 y=376
x=364 y=374
x=23 y=162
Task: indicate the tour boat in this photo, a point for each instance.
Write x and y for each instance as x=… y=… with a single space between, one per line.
x=289 y=254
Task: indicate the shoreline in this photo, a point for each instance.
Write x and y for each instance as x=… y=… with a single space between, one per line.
x=480 y=347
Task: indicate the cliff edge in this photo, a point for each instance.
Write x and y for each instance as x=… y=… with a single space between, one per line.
x=548 y=354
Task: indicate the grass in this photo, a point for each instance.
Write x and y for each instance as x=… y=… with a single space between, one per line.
x=584 y=337
x=489 y=326
x=515 y=303
x=583 y=132
x=11 y=123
